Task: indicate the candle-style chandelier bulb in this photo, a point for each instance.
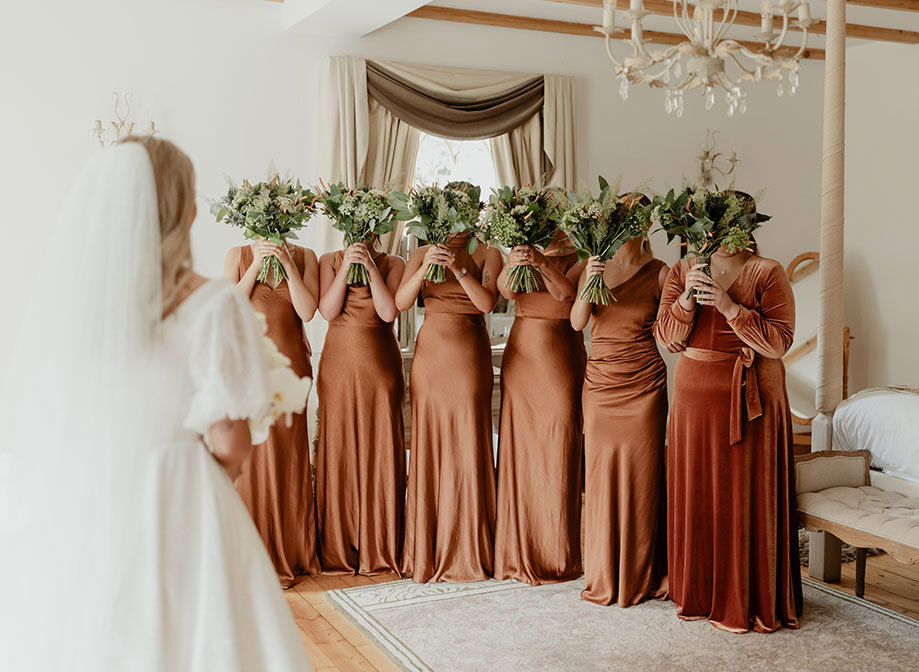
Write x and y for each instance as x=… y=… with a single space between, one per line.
x=712 y=60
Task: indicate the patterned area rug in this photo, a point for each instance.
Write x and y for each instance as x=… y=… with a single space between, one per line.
x=503 y=626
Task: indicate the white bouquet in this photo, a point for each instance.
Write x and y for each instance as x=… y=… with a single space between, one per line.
x=288 y=390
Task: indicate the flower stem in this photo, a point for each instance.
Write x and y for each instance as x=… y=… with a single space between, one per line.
x=436 y=273
x=595 y=291
x=522 y=279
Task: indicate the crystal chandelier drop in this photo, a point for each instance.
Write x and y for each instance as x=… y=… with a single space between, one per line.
x=709 y=60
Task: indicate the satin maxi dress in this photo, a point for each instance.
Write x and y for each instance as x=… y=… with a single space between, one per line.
x=360 y=469
x=450 y=506
x=625 y=419
x=538 y=538
x=276 y=481
x=733 y=546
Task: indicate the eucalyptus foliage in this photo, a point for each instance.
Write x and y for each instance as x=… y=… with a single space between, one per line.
x=361 y=213
x=439 y=213
x=271 y=210
x=526 y=215
x=598 y=227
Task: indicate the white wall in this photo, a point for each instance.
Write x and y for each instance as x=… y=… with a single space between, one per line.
x=882 y=224
x=224 y=80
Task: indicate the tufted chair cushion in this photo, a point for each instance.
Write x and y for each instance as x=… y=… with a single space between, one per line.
x=880 y=512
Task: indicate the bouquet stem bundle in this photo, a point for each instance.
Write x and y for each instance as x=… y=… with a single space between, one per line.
x=270 y=210
x=271 y=265
x=595 y=291
x=437 y=214
x=523 y=279
x=436 y=273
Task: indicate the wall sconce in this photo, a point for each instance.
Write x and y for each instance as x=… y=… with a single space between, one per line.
x=123 y=126
x=707 y=159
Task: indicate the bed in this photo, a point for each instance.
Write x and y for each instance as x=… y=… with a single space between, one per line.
x=885 y=422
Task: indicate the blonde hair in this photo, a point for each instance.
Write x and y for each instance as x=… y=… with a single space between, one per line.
x=175 y=195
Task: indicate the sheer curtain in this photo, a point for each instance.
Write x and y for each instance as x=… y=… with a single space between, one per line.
x=544 y=145
x=360 y=141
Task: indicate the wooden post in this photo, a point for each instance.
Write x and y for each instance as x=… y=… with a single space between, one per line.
x=824 y=558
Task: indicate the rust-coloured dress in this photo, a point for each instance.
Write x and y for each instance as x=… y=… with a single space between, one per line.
x=732 y=514
x=360 y=469
x=276 y=483
x=538 y=537
x=625 y=419
x=450 y=507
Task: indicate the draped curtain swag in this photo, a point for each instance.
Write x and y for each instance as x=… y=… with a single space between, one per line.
x=372 y=114
x=482 y=111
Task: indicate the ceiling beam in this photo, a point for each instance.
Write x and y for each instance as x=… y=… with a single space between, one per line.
x=665 y=8
x=344 y=17
x=564 y=27
x=902 y=5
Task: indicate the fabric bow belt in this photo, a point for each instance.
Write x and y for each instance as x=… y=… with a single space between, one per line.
x=743 y=383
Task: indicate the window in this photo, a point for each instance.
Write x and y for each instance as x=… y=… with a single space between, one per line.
x=439 y=161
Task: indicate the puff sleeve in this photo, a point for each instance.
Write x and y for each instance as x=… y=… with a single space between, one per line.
x=227 y=362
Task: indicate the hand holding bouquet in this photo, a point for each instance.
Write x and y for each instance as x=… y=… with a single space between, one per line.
x=599 y=226
x=524 y=216
x=439 y=213
x=361 y=213
x=271 y=210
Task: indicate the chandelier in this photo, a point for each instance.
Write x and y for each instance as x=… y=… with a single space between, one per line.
x=706 y=60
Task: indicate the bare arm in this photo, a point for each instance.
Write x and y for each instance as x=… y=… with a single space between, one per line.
x=413 y=275
x=332 y=287
x=304 y=287
x=581 y=310
x=230 y=444
x=557 y=283
x=484 y=294
x=384 y=291
x=516 y=257
x=231 y=271
x=246 y=282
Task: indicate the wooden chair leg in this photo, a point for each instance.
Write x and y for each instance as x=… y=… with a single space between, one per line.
x=861 y=557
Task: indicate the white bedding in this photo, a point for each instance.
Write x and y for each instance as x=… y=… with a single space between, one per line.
x=884 y=421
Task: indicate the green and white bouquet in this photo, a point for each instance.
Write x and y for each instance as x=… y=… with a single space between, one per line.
x=527 y=215
x=362 y=212
x=272 y=210
x=708 y=219
x=439 y=213
x=598 y=226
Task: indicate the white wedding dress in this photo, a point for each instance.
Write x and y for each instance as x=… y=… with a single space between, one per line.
x=127 y=547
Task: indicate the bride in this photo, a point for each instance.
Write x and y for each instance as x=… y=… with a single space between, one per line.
x=124 y=544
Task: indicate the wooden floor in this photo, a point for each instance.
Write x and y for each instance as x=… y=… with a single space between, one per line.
x=333 y=643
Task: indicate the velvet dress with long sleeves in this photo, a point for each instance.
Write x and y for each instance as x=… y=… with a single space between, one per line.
x=733 y=552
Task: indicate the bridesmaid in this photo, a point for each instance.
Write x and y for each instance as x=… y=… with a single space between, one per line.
x=732 y=533
x=360 y=469
x=625 y=418
x=450 y=507
x=538 y=538
x=276 y=483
